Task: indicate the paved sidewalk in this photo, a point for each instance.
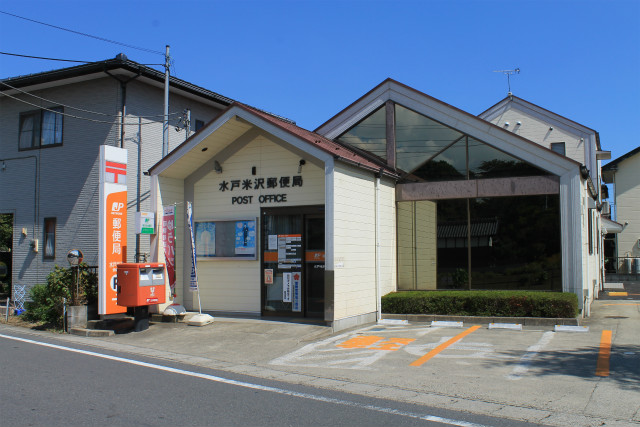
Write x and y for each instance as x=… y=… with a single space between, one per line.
x=534 y=375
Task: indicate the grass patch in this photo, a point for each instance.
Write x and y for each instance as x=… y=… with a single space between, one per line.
x=482 y=303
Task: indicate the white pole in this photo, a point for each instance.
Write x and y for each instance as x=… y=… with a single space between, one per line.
x=378 y=296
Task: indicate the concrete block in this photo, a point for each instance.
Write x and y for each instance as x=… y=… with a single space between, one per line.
x=568 y=328
x=511 y=326
x=446 y=324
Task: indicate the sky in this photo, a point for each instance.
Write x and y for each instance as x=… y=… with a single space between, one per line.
x=307 y=60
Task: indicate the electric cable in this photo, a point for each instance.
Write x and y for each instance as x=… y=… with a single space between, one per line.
x=85 y=34
x=78 y=117
x=41 y=57
x=59 y=59
x=80 y=109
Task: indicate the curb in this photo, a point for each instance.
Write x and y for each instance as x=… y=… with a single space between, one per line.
x=525 y=321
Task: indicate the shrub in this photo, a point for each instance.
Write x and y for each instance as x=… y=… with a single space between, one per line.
x=47 y=301
x=482 y=303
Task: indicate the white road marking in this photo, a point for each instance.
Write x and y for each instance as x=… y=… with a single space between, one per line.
x=525 y=361
x=391 y=411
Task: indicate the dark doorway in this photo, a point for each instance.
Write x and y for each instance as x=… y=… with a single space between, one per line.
x=293 y=262
x=6 y=249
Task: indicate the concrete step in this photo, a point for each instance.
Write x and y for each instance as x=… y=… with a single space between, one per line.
x=84 y=332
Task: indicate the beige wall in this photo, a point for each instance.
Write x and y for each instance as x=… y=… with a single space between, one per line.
x=355 y=274
x=354 y=242
x=417 y=237
x=228 y=285
x=627 y=190
x=537 y=130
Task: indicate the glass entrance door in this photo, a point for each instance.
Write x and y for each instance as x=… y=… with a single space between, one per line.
x=293 y=262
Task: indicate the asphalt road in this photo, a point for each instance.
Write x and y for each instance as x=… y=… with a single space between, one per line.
x=52 y=385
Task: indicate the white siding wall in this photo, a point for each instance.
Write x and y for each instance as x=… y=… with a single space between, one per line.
x=387 y=227
x=235 y=285
x=354 y=242
x=627 y=190
x=537 y=130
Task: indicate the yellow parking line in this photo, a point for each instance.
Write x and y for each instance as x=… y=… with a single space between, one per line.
x=618 y=294
x=444 y=345
x=602 y=366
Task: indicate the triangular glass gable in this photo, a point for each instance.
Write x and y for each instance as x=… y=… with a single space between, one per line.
x=488 y=162
x=450 y=165
x=484 y=162
x=370 y=134
x=419 y=138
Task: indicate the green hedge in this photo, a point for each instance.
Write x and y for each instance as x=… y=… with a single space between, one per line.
x=482 y=303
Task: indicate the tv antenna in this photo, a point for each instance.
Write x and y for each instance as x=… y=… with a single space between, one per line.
x=508 y=73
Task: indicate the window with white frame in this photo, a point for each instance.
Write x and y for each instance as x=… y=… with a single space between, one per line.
x=40 y=128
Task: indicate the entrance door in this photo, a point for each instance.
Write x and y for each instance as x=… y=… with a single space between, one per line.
x=293 y=262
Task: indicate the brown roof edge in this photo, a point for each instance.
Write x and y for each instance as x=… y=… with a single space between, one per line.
x=284 y=124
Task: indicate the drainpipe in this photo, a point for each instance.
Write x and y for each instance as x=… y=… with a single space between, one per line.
x=378 y=290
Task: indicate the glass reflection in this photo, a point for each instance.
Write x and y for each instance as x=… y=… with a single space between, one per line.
x=419 y=138
x=515 y=244
x=370 y=134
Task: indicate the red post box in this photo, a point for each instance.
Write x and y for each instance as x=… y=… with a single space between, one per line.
x=141 y=284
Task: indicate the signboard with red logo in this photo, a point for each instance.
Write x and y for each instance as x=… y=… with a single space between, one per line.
x=169 y=243
x=113 y=225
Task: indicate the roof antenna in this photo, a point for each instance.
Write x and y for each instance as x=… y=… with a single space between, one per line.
x=508 y=73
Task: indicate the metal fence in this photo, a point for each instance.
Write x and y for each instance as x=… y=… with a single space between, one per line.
x=622 y=265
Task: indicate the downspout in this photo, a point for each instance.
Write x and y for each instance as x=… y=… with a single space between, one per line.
x=378 y=290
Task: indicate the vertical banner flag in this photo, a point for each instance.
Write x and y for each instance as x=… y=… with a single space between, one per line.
x=169 y=243
x=112 y=241
x=193 y=284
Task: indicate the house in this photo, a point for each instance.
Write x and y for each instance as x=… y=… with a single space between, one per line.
x=623 y=174
x=579 y=143
x=52 y=125
x=398 y=191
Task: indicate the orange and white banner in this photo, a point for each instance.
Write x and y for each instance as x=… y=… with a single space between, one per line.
x=112 y=242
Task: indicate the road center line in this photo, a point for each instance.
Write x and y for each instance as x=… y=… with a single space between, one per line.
x=602 y=366
x=444 y=345
x=318 y=398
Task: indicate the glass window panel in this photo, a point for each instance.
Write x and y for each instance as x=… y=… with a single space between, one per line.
x=488 y=162
x=519 y=243
x=558 y=147
x=419 y=138
x=370 y=134
x=49 y=237
x=51 y=127
x=27 y=130
x=450 y=165
x=452 y=255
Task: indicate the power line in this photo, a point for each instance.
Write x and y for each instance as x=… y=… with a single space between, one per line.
x=76 y=108
x=84 y=34
x=78 y=117
x=48 y=59
x=57 y=59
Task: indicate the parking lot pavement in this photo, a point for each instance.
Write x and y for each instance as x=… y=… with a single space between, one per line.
x=593 y=370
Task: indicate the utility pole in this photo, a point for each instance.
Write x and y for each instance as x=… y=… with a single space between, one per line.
x=165 y=123
x=185 y=123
